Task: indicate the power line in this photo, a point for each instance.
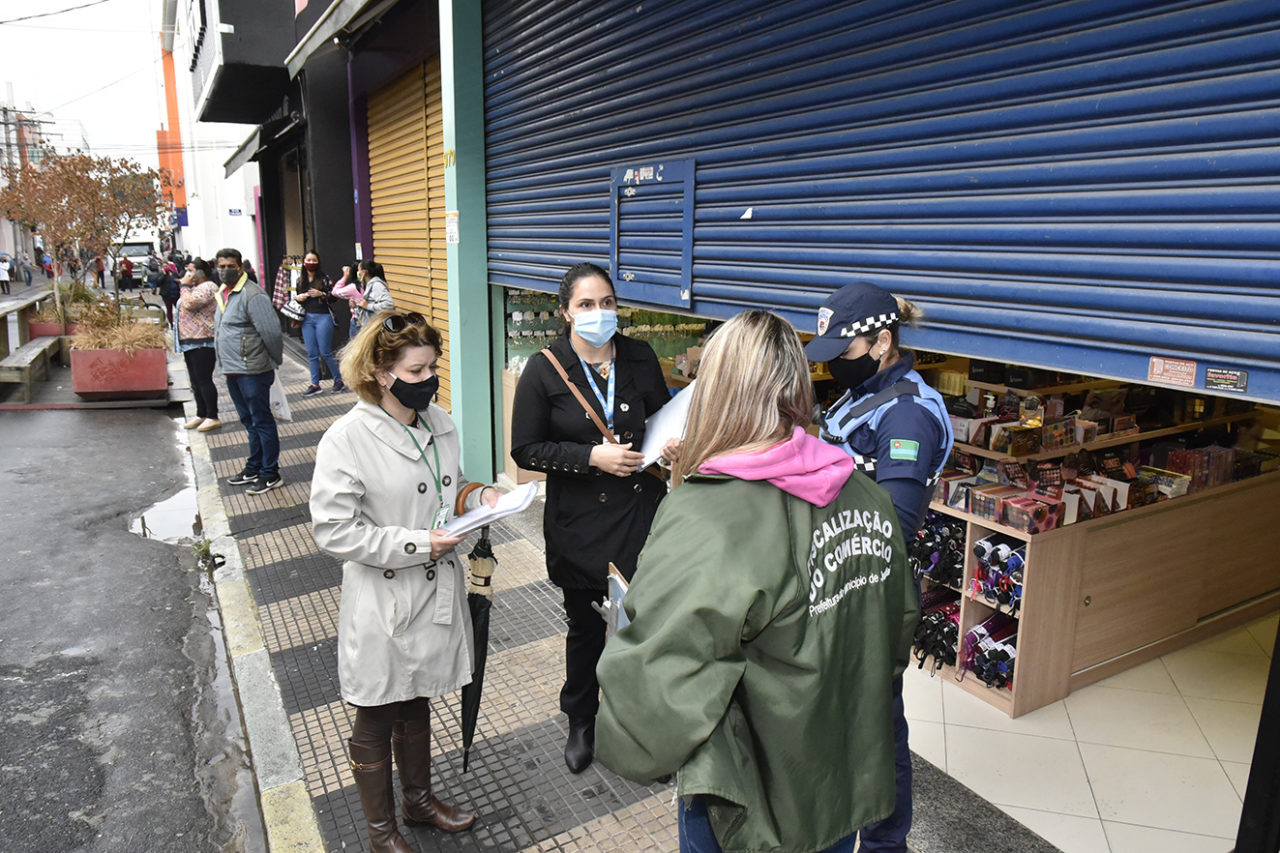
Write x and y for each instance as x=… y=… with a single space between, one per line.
x=108 y=85
x=51 y=14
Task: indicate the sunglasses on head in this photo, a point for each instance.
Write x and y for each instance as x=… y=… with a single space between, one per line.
x=400 y=322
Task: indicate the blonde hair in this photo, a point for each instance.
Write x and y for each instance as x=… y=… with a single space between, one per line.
x=753 y=390
x=375 y=348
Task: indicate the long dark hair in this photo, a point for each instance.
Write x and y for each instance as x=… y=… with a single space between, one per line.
x=373 y=268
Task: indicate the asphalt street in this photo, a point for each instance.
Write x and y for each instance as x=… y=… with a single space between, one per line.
x=120 y=732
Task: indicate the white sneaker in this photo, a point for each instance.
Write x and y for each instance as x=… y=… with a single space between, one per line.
x=193 y=423
x=209 y=425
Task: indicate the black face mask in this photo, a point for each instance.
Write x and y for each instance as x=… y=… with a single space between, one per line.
x=415 y=395
x=228 y=276
x=851 y=373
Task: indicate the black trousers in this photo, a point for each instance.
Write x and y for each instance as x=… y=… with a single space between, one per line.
x=200 y=363
x=580 y=696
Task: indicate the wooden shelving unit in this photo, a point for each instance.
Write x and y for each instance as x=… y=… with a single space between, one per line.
x=1104 y=443
x=1104 y=595
x=1073 y=388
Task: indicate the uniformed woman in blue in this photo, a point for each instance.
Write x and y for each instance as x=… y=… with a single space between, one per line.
x=896 y=429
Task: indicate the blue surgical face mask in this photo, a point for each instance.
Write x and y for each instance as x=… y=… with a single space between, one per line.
x=596 y=327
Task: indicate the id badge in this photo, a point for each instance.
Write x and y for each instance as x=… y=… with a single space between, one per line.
x=442 y=518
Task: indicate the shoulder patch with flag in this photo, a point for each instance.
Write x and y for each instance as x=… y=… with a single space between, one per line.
x=901 y=448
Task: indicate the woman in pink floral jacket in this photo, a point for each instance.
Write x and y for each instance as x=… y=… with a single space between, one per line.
x=193 y=337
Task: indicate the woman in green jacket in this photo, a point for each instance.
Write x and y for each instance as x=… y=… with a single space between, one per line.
x=770 y=612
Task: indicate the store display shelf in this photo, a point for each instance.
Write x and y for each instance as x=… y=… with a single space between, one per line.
x=1072 y=388
x=1104 y=443
x=1000 y=697
x=1003 y=608
x=954 y=589
x=954 y=363
x=993 y=526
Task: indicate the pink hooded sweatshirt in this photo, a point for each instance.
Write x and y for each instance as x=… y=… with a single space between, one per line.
x=803 y=465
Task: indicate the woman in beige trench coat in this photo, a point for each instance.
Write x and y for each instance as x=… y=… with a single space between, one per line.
x=386 y=473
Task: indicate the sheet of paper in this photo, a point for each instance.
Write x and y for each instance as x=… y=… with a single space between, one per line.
x=666 y=423
x=516 y=500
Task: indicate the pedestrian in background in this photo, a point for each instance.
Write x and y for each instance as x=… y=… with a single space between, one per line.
x=315 y=292
x=26 y=268
x=375 y=295
x=349 y=288
x=126 y=273
x=193 y=337
x=5 y=266
x=599 y=503
x=250 y=271
x=387 y=474
x=897 y=430
x=771 y=610
x=250 y=347
x=170 y=289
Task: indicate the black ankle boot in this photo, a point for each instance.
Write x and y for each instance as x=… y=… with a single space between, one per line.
x=581 y=746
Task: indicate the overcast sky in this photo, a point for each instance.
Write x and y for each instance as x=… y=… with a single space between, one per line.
x=96 y=67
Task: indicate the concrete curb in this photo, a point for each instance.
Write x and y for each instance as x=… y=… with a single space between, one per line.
x=287 y=813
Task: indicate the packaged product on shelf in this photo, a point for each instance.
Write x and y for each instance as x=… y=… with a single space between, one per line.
x=1058 y=434
x=1169 y=483
x=1034 y=514
x=1086 y=431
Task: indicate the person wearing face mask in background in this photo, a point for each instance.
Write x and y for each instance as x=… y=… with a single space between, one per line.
x=349 y=288
x=897 y=431
x=599 y=503
x=193 y=337
x=250 y=347
x=315 y=292
x=374 y=295
x=387 y=475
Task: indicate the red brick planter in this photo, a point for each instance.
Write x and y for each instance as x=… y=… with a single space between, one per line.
x=41 y=328
x=108 y=374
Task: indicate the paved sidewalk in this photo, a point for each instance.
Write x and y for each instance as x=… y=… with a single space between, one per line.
x=517 y=784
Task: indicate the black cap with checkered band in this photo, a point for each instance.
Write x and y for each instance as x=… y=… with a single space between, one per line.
x=856 y=309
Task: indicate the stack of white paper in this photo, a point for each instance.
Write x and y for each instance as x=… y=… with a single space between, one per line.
x=665 y=424
x=516 y=500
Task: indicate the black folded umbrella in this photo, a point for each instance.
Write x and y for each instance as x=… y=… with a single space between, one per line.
x=480 y=600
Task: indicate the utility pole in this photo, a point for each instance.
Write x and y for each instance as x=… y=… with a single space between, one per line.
x=9 y=141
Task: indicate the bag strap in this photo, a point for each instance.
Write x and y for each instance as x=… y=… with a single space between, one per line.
x=902 y=388
x=578 y=394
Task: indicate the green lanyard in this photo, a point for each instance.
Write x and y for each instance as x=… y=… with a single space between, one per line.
x=423 y=454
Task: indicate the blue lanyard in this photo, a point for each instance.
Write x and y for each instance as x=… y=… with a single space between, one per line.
x=605 y=403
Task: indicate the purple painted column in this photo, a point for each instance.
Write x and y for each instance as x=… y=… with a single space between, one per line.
x=358 y=121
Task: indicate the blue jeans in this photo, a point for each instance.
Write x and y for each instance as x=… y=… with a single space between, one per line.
x=317 y=334
x=696 y=835
x=251 y=394
x=890 y=835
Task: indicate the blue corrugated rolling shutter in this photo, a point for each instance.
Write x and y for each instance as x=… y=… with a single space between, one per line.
x=1079 y=185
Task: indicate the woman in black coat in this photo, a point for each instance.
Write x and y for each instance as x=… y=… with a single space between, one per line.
x=599 y=503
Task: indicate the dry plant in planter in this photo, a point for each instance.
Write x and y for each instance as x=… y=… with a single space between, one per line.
x=104 y=327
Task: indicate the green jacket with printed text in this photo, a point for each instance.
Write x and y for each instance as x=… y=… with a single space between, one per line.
x=765 y=636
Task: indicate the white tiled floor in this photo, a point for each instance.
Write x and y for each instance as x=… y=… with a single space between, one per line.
x=1153 y=759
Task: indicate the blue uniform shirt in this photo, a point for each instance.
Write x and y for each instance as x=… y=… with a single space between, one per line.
x=906 y=438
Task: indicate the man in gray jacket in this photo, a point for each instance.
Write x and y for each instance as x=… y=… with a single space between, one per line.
x=250 y=347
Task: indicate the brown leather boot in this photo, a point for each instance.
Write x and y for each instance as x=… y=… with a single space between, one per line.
x=373 y=780
x=411 y=741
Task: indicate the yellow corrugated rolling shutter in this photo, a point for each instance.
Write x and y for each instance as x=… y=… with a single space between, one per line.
x=406 y=197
